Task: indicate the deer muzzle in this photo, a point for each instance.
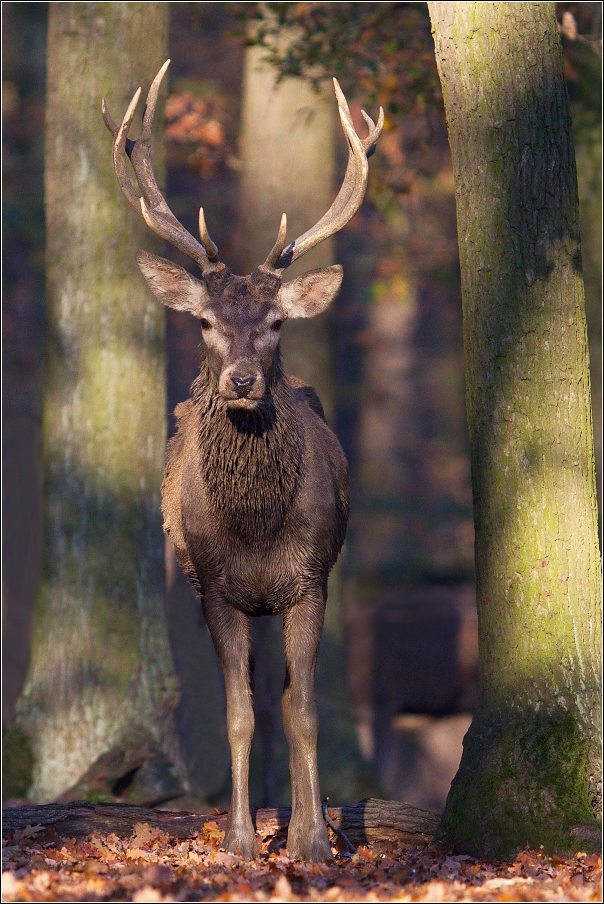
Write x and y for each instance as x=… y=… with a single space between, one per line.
x=242 y=385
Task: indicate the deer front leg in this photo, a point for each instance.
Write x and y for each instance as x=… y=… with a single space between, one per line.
x=265 y=705
x=230 y=631
x=307 y=835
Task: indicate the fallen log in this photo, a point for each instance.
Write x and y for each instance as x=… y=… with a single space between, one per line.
x=369 y=820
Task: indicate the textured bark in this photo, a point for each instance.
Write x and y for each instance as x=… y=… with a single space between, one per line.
x=369 y=820
x=101 y=666
x=530 y=768
x=589 y=174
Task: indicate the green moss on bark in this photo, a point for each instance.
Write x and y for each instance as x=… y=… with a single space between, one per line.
x=17 y=763
x=523 y=780
x=529 y=773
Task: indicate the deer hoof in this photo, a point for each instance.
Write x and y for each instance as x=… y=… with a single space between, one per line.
x=311 y=845
x=241 y=841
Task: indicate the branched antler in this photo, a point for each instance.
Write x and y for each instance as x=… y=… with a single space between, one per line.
x=152 y=206
x=160 y=219
x=349 y=197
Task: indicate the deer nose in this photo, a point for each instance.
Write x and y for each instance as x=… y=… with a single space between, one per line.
x=243 y=384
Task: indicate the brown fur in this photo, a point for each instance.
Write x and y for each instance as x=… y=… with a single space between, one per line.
x=255 y=495
x=255 y=502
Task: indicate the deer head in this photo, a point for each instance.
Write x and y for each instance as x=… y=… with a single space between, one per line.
x=240 y=315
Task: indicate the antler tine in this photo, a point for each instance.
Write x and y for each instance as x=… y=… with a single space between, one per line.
x=122 y=143
x=275 y=254
x=353 y=188
x=140 y=155
x=209 y=246
x=152 y=206
x=370 y=142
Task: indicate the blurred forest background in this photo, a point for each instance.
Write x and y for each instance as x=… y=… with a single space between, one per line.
x=396 y=676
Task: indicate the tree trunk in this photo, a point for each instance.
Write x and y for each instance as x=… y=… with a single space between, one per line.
x=586 y=112
x=530 y=767
x=101 y=671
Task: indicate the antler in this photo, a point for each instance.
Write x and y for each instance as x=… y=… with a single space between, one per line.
x=349 y=197
x=152 y=206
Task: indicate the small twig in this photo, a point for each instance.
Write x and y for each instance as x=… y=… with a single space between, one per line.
x=336 y=827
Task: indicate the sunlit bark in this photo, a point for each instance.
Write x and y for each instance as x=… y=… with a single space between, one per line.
x=530 y=769
x=101 y=674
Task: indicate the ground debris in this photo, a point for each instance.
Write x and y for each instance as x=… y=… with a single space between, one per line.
x=156 y=866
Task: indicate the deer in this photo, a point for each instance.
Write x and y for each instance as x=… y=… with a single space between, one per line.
x=255 y=496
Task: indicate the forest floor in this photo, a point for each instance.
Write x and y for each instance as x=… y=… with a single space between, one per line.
x=153 y=865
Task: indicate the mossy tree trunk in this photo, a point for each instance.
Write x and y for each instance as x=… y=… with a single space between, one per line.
x=101 y=676
x=586 y=110
x=531 y=763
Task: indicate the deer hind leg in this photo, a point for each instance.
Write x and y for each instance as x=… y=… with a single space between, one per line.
x=307 y=836
x=230 y=631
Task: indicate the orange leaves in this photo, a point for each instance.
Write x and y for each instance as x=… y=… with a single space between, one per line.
x=27 y=832
x=151 y=865
x=212 y=834
x=189 y=120
x=196 y=129
x=145 y=835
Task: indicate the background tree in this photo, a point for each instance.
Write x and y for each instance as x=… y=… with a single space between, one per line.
x=101 y=680
x=530 y=771
x=288 y=161
x=287 y=146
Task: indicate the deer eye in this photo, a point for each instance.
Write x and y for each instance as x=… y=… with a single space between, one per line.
x=205 y=324
x=276 y=326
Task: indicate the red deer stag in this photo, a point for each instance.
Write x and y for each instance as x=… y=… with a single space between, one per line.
x=255 y=494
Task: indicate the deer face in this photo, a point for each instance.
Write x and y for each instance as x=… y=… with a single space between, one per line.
x=240 y=327
x=241 y=318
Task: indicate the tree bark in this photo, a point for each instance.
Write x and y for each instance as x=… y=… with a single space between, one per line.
x=530 y=768
x=585 y=106
x=369 y=820
x=101 y=668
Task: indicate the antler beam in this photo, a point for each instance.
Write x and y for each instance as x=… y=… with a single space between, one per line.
x=351 y=193
x=152 y=206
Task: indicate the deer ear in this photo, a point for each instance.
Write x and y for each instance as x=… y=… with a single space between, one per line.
x=172 y=285
x=311 y=293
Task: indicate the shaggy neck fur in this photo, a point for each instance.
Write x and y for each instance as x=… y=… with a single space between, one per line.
x=250 y=460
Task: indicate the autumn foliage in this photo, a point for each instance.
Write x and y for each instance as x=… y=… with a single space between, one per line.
x=152 y=865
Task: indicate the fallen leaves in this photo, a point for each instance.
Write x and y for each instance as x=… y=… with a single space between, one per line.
x=212 y=834
x=27 y=832
x=153 y=866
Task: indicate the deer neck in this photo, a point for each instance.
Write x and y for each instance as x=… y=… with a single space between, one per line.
x=250 y=460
